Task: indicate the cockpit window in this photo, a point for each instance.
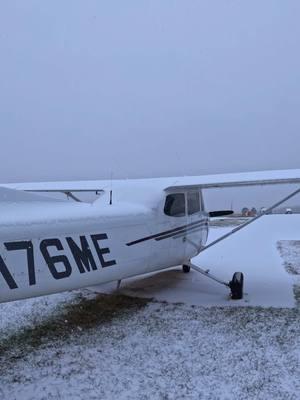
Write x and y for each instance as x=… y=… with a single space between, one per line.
x=193 y=200
x=175 y=205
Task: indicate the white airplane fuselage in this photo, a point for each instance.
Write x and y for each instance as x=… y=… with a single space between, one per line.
x=52 y=247
x=135 y=227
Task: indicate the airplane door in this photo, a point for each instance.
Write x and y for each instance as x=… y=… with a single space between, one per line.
x=176 y=213
x=168 y=244
x=196 y=224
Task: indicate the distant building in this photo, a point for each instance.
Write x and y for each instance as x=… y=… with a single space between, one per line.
x=247 y=212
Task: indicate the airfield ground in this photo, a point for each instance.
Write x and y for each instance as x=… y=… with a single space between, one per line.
x=168 y=336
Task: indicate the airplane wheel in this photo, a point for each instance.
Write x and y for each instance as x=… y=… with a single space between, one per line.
x=237 y=286
x=186 y=269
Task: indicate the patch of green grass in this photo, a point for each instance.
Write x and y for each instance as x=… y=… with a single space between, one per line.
x=70 y=320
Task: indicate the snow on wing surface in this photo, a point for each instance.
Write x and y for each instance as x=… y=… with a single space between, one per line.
x=291 y=176
x=238 y=179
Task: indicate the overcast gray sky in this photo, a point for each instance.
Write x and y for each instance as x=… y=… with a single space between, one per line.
x=147 y=88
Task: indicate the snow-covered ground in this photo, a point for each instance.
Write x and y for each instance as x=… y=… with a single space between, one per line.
x=189 y=342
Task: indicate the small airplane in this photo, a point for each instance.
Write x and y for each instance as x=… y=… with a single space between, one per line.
x=134 y=227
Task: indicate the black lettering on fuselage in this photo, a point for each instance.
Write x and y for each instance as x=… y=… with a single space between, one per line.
x=28 y=246
x=82 y=255
x=52 y=260
x=100 y=251
x=7 y=275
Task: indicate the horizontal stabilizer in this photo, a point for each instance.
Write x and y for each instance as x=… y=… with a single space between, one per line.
x=18 y=196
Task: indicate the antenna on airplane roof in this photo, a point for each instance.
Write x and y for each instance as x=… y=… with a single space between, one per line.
x=111 y=192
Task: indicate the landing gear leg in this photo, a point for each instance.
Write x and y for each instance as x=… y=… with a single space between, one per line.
x=236 y=285
x=119 y=284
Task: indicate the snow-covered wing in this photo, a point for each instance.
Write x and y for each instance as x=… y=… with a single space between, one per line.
x=170 y=183
x=237 y=180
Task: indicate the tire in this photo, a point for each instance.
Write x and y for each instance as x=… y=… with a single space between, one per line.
x=237 y=286
x=186 y=269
